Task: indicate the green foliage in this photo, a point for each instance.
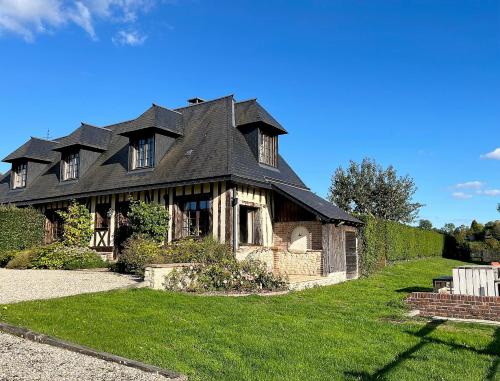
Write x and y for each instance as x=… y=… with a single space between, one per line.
x=448 y=228
x=22 y=260
x=367 y=188
x=149 y=219
x=228 y=275
x=60 y=257
x=388 y=241
x=77 y=225
x=56 y=257
x=20 y=228
x=137 y=252
x=425 y=224
x=5 y=257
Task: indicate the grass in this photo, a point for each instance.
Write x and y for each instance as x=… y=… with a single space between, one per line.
x=355 y=330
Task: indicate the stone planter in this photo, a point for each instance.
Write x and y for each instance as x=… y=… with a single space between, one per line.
x=154 y=275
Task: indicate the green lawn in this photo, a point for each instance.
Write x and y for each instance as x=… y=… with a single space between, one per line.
x=355 y=330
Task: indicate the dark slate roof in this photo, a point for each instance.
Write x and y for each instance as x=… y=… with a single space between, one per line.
x=86 y=136
x=159 y=119
x=319 y=206
x=217 y=150
x=250 y=112
x=34 y=149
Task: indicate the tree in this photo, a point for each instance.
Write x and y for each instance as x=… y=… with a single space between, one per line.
x=425 y=224
x=367 y=188
x=149 y=219
x=449 y=228
x=77 y=225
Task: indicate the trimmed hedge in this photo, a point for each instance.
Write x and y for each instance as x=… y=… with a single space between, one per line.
x=20 y=228
x=388 y=241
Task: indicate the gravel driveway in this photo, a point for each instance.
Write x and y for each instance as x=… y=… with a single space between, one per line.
x=20 y=285
x=22 y=360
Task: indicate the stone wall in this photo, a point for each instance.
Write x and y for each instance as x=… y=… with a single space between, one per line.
x=308 y=263
x=456 y=306
x=263 y=254
x=283 y=231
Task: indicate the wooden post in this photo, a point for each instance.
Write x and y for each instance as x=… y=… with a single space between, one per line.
x=112 y=221
x=171 y=213
x=92 y=213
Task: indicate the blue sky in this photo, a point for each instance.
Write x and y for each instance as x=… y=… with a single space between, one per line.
x=410 y=83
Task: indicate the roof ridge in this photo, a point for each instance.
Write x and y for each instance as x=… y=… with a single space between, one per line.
x=247 y=100
x=165 y=108
x=42 y=139
x=205 y=102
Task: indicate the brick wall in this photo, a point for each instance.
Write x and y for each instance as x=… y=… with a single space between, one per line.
x=282 y=234
x=456 y=306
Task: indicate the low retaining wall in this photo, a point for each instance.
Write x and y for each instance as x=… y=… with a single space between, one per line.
x=455 y=306
x=154 y=275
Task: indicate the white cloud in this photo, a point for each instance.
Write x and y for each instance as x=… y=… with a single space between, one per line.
x=489 y=192
x=30 y=17
x=494 y=155
x=132 y=38
x=461 y=195
x=470 y=185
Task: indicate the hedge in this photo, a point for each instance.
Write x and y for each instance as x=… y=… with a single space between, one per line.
x=20 y=228
x=388 y=241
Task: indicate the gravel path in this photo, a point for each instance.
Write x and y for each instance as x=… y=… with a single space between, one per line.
x=20 y=285
x=22 y=360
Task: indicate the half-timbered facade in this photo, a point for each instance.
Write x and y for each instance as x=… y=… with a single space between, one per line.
x=215 y=165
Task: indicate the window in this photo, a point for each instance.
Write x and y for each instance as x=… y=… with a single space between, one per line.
x=196 y=220
x=20 y=175
x=71 y=166
x=143 y=153
x=268 y=149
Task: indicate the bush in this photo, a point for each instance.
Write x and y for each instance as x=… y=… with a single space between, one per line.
x=56 y=257
x=6 y=257
x=246 y=276
x=78 y=228
x=137 y=252
x=22 y=260
x=383 y=241
x=20 y=228
x=149 y=219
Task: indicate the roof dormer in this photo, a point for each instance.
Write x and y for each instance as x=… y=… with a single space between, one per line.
x=29 y=160
x=151 y=135
x=80 y=150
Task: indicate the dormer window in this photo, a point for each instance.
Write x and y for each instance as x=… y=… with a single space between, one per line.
x=71 y=166
x=20 y=172
x=268 y=149
x=143 y=152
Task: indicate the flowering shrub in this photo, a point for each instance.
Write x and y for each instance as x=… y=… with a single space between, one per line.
x=229 y=275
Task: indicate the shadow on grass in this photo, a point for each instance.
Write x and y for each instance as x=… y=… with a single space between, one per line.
x=493 y=349
x=407 y=290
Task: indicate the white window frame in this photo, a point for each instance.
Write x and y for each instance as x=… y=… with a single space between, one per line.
x=268 y=149
x=71 y=166
x=20 y=172
x=143 y=153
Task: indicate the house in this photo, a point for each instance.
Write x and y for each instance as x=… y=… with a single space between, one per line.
x=215 y=165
